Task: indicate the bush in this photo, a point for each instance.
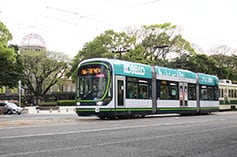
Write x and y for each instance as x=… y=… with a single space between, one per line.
x=47 y=106
x=48 y=103
x=66 y=102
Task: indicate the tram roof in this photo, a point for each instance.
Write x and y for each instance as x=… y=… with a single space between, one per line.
x=175 y=74
x=207 y=79
x=126 y=68
x=131 y=69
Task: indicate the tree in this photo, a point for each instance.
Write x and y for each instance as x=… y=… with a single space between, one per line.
x=152 y=44
x=226 y=61
x=94 y=48
x=162 y=41
x=42 y=71
x=10 y=63
x=5 y=36
x=201 y=63
x=106 y=45
x=221 y=49
x=222 y=62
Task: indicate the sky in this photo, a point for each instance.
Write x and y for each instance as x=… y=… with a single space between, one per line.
x=66 y=25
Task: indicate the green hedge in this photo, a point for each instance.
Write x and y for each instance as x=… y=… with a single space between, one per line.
x=58 y=103
x=43 y=103
x=66 y=103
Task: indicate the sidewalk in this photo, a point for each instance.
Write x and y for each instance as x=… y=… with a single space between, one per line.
x=61 y=110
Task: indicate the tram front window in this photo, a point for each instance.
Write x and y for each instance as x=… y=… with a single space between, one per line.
x=92 y=82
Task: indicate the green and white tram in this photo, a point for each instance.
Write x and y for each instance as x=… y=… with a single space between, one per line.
x=114 y=88
x=227 y=95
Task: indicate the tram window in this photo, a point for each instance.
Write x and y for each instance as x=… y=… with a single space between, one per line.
x=203 y=93
x=131 y=79
x=164 y=90
x=216 y=94
x=191 y=91
x=132 y=89
x=225 y=93
x=143 y=91
x=138 y=88
x=232 y=93
x=221 y=93
x=169 y=90
x=173 y=88
x=209 y=93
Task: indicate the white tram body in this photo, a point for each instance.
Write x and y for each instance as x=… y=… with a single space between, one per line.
x=109 y=88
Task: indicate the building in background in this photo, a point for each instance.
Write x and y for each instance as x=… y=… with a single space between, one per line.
x=63 y=90
x=33 y=42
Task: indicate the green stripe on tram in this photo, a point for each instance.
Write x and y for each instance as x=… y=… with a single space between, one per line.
x=209 y=108
x=133 y=109
x=85 y=109
x=177 y=109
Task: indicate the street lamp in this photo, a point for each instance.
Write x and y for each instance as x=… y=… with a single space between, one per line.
x=19 y=82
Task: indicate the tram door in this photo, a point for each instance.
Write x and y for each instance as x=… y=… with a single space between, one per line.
x=120 y=91
x=183 y=94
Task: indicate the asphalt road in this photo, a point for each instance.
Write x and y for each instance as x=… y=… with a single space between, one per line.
x=160 y=136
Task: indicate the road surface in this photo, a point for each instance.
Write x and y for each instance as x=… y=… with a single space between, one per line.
x=156 y=136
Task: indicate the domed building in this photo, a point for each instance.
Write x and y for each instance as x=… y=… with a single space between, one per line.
x=33 y=42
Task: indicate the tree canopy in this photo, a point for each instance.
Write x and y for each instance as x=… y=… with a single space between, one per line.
x=42 y=70
x=10 y=62
x=152 y=44
x=160 y=44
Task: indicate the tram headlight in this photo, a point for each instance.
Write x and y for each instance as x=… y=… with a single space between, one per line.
x=99 y=103
x=78 y=103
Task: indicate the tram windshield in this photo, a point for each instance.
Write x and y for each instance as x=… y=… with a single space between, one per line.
x=93 y=82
